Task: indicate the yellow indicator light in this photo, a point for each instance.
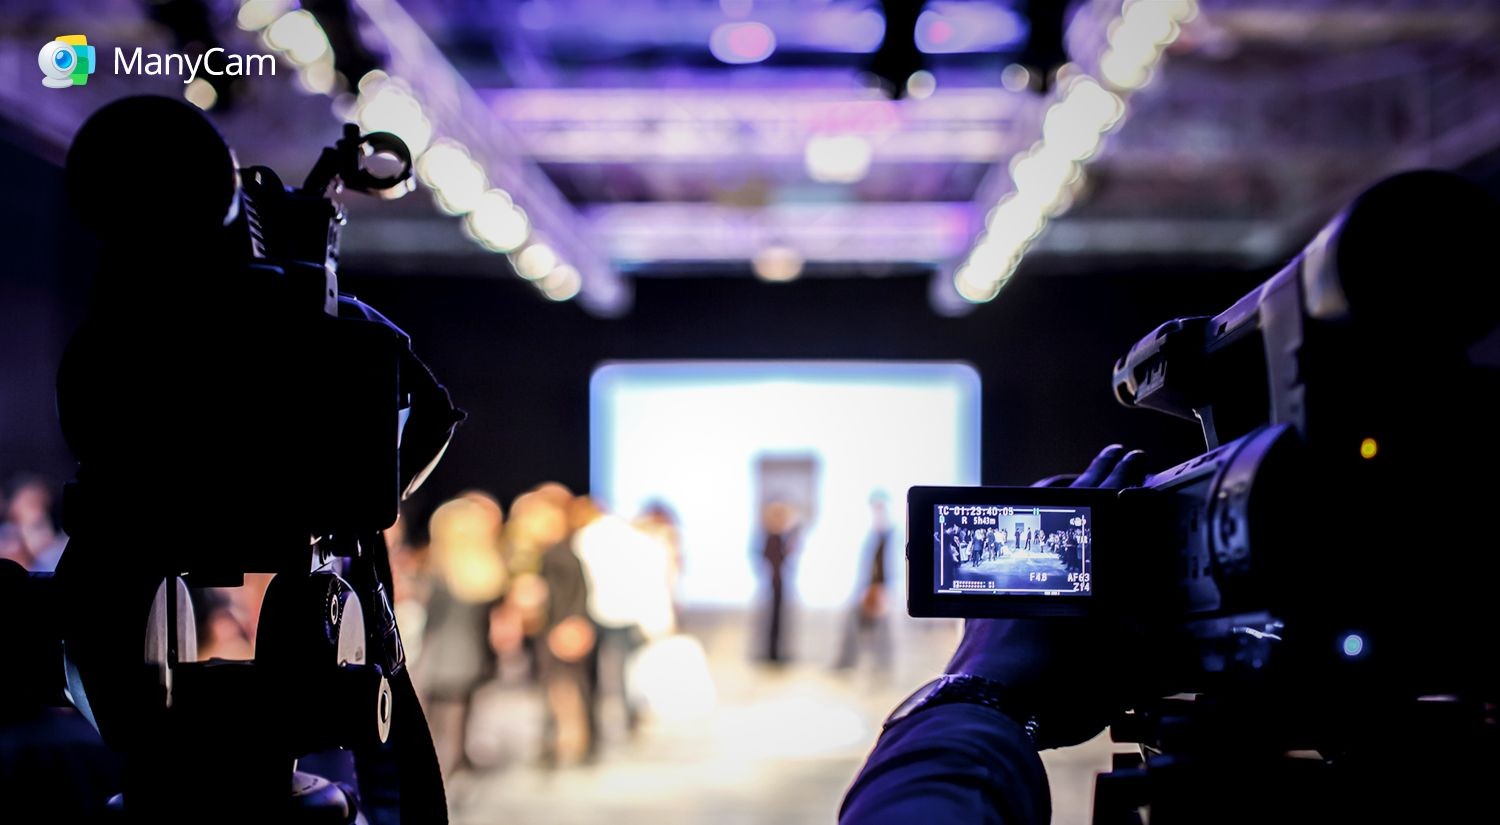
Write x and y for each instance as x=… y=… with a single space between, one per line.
x=1368 y=448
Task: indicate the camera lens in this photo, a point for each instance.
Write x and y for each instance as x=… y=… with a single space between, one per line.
x=57 y=60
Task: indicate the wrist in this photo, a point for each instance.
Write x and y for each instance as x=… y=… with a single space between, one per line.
x=969 y=689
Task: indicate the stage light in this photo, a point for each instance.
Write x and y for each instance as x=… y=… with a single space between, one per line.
x=561 y=284
x=456 y=179
x=459 y=181
x=201 y=93
x=298 y=34
x=777 y=264
x=319 y=77
x=935 y=34
x=921 y=85
x=497 y=223
x=535 y=261
x=838 y=158
x=740 y=43
x=1013 y=222
x=1047 y=177
x=389 y=108
x=865 y=31
x=972 y=291
x=1016 y=78
x=255 y=15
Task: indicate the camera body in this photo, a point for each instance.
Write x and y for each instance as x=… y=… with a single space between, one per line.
x=1323 y=545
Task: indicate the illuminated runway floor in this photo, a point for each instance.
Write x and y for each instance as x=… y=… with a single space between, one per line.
x=780 y=745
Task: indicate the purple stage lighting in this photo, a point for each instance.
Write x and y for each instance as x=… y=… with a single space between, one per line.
x=951 y=28
x=738 y=43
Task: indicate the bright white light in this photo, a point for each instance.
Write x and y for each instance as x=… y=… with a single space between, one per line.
x=535 y=261
x=1096 y=103
x=298 y=34
x=255 y=15
x=692 y=434
x=1070 y=135
x=1064 y=200
x=669 y=679
x=562 y=283
x=838 y=158
x=777 y=263
x=456 y=179
x=1075 y=125
x=921 y=85
x=372 y=80
x=390 y=109
x=319 y=76
x=1145 y=23
x=991 y=257
x=971 y=289
x=201 y=93
x=498 y=223
x=1181 y=10
x=1042 y=175
x=1087 y=105
x=1123 y=73
x=1136 y=42
x=1048 y=176
x=1014 y=222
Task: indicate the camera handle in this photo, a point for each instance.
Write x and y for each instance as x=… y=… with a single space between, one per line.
x=345 y=161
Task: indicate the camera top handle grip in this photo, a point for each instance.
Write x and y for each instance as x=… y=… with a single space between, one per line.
x=346 y=160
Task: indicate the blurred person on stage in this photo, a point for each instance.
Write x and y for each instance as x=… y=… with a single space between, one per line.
x=467 y=582
x=553 y=600
x=779 y=526
x=659 y=522
x=868 y=624
x=629 y=596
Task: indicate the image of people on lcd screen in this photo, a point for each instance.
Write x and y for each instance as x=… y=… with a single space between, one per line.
x=987 y=548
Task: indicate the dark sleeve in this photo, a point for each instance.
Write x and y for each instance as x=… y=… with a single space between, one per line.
x=955 y=763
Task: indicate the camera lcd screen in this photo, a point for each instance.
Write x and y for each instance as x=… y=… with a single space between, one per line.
x=1013 y=550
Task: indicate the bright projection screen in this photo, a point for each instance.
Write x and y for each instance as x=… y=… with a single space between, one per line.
x=713 y=440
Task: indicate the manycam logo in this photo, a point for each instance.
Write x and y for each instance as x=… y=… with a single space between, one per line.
x=215 y=62
x=66 y=61
x=69 y=60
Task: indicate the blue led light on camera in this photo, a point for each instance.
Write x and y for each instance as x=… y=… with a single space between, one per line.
x=1353 y=645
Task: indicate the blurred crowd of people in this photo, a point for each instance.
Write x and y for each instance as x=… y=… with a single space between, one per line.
x=554 y=596
x=559 y=595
